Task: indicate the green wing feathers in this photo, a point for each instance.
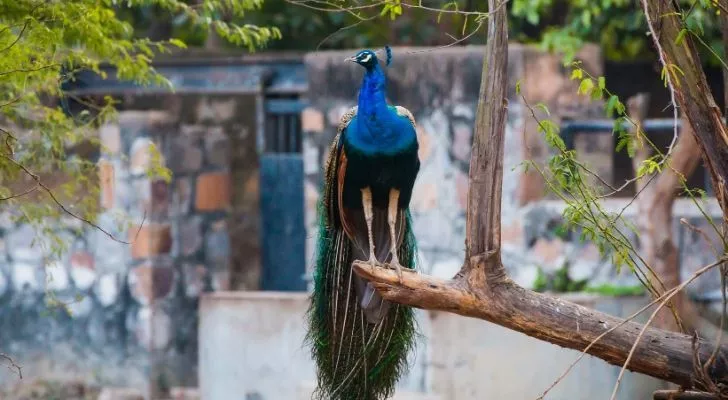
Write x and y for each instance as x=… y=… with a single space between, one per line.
x=355 y=360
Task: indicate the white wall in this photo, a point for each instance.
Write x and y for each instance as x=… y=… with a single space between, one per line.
x=251 y=348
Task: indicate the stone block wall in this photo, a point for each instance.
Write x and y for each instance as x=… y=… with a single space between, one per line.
x=133 y=307
x=441 y=87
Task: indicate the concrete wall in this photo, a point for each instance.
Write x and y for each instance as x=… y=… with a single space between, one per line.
x=251 y=347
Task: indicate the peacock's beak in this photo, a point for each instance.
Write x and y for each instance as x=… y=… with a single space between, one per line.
x=352 y=59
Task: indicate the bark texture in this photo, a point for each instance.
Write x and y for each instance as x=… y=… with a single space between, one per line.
x=682 y=63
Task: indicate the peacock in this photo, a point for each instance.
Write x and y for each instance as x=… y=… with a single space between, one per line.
x=360 y=342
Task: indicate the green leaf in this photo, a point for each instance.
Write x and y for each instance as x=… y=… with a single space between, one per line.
x=680 y=36
x=585 y=86
x=543 y=108
x=614 y=107
x=602 y=83
x=577 y=73
x=177 y=43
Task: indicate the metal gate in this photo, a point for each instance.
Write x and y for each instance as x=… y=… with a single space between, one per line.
x=281 y=197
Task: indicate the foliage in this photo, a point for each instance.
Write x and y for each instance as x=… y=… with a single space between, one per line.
x=616 y=291
x=327 y=24
x=558 y=25
x=192 y=23
x=45 y=173
x=618 y=26
x=559 y=281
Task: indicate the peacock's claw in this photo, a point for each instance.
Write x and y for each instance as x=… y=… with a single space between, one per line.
x=372 y=261
x=397 y=267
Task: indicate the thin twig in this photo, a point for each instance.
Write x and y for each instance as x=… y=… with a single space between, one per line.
x=321 y=5
x=670 y=292
x=456 y=12
x=336 y=32
x=587 y=208
x=15 y=196
x=30 y=69
x=17 y=39
x=11 y=102
x=464 y=38
x=12 y=365
x=333 y=7
x=652 y=317
x=702 y=233
x=53 y=197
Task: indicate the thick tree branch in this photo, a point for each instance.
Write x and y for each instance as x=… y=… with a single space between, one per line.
x=662 y=354
x=482 y=290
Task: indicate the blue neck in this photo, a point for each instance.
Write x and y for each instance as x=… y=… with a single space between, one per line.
x=377 y=128
x=372 y=100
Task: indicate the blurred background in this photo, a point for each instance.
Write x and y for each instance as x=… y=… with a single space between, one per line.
x=208 y=300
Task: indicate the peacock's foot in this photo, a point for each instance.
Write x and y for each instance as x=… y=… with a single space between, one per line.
x=372 y=261
x=397 y=267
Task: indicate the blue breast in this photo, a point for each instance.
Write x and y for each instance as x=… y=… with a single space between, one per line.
x=387 y=133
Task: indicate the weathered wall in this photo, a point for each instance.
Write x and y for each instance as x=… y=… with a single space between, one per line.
x=440 y=87
x=135 y=318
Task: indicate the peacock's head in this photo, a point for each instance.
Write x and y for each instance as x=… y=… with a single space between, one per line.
x=365 y=58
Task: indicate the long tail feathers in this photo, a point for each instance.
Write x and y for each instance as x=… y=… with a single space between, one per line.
x=356 y=359
x=375 y=308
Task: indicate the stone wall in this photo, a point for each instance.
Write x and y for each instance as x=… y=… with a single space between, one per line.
x=440 y=87
x=133 y=307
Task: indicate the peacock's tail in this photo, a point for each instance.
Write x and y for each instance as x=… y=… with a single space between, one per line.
x=356 y=360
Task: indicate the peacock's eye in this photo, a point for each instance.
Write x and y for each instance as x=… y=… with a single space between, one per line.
x=366 y=57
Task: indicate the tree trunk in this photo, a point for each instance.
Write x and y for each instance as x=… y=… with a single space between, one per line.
x=724 y=33
x=655 y=198
x=661 y=253
x=482 y=290
x=683 y=66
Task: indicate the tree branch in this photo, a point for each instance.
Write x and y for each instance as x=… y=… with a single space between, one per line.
x=686 y=78
x=13 y=365
x=661 y=354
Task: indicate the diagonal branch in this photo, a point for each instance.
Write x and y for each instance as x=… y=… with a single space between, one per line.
x=482 y=289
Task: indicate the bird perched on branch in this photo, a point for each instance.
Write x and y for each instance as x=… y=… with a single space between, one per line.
x=360 y=342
